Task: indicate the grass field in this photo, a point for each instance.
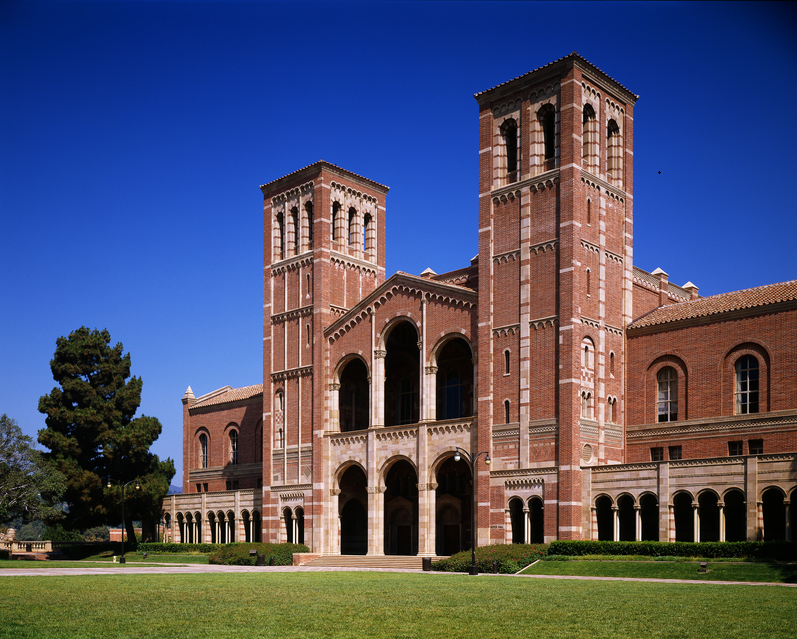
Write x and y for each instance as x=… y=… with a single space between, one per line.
x=361 y=604
x=734 y=571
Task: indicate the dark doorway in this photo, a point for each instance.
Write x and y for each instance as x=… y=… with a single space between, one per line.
x=454 y=502
x=649 y=513
x=537 y=521
x=518 y=519
x=627 y=518
x=709 y=516
x=402 y=375
x=353 y=500
x=353 y=397
x=684 y=517
x=455 y=380
x=401 y=510
x=735 y=516
x=605 y=517
x=774 y=515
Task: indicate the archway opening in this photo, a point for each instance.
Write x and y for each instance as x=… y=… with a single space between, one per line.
x=537 y=521
x=649 y=514
x=684 y=517
x=299 y=514
x=517 y=517
x=627 y=518
x=189 y=525
x=709 y=516
x=247 y=521
x=735 y=516
x=181 y=527
x=455 y=380
x=604 y=515
x=288 y=525
x=257 y=525
x=774 y=515
x=353 y=504
x=401 y=510
x=454 y=503
x=221 y=523
x=230 y=527
x=214 y=536
x=353 y=397
x=402 y=375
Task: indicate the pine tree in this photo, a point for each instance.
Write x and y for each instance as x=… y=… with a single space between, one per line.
x=93 y=435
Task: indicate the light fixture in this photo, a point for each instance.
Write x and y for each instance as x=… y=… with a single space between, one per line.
x=457 y=456
x=487 y=459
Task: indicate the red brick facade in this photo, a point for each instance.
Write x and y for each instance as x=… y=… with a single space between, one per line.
x=548 y=352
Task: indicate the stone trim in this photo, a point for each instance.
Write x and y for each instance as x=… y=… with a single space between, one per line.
x=292 y=314
x=291 y=373
x=731 y=423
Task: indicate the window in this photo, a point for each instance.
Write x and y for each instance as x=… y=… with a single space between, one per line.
x=506 y=411
x=614 y=153
x=203 y=451
x=589 y=139
x=506 y=362
x=756 y=446
x=746 y=385
x=204 y=488
x=667 y=396
x=279 y=420
x=589 y=282
x=587 y=354
x=279 y=237
x=586 y=405
x=657 y=454
x=232 y=485
x=352 y=222
x=611 y=363
x=234 y=447
x=509 y=133
x=199 y=488
x=548 y=121
x=297 y=236
x=675 y=452
x=735 y=448
x=309 y=209
x=610 y=413
x=336 y=224
x=589 y=212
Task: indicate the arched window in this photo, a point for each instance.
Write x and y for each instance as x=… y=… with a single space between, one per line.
x=548 y=121
x=589 y=282
x=506 y=411
x=369 y=237
x=667 y=394
x=309 y=218
x=587 y=354
x=352 y=240
x=610 y=413
x=586 y=405
x=611 y=363
x=509 y=133
x=203 y=451
x=746 y=385
x=589 y=139
x=337 y=230
x=279 y=420
x=589 y=212
x=614 y=153
x=506 y=362
x=279 y=237
x=295 y=239
x=234 y=447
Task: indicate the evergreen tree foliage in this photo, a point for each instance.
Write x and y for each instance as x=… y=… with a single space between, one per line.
x=93 y=435
x=30 y=486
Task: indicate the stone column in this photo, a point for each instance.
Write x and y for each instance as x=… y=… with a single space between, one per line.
x=637 y=522
x=426 y=519
x=334 y=415
x=527 y=526
x=616 y=523
x=430 y=394
x=378 y=389
x=721 y=506
x=295 y=528
x=333 y=523
x=376 y=520
x=695 y=522
x=787 y=512
x=759 y=521
x=594 y=531
x=508 y=532
x=670 y=522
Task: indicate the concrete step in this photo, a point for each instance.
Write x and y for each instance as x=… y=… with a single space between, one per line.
x=396 y=562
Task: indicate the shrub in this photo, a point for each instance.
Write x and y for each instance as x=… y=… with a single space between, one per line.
x=778 y=550
x=510 y=558
x=57 y=533
x=179 y=549
x=98 y=533
x=238 y=554
x=3 y=554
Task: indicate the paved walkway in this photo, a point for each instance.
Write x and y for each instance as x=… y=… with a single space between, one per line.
x=195 y=569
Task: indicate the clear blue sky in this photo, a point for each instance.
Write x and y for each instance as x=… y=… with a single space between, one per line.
x=134 y=136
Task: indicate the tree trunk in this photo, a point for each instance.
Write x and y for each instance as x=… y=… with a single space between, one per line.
x=148 y=530
x=130 y=534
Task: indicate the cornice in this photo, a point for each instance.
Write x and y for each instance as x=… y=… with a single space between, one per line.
x=292 y=314
x=352 y=262
x=292 y=263
x=533 y=183
x=603 y=186
x=776 y=420
x=291 y=373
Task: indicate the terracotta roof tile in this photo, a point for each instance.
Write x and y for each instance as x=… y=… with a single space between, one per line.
x=321 y=164
x=231 y=395
x=716 y=304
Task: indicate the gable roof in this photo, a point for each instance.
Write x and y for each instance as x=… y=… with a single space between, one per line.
x=751 y=298
x=228 y=394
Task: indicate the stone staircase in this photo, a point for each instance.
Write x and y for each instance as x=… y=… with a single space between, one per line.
x=395 y=562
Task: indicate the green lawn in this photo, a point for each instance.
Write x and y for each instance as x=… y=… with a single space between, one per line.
x=736 y=571
x=361 y=604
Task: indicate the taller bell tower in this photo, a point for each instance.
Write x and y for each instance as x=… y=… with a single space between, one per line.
x=555 y=263
x=323 y=250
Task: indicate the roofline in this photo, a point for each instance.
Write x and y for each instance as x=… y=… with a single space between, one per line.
x=316 y=167
x=555 y=68
x=471 y=295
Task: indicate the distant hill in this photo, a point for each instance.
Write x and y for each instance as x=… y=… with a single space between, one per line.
x=175 y=490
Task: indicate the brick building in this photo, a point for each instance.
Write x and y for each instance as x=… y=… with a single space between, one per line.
x=611 y=403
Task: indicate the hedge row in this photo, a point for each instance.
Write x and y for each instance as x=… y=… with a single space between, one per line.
x=510 y=558
x=238 y=554
x=180 y=549
x=779 y=550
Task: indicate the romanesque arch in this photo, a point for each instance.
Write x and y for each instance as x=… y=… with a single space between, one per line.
x=774 y=511
x=626 y=517
x=454 y=502
x=353 y=511
x=354 y=396
x=605 y=518
x=454 y=362
x=709 y=512
x=735 y=512
x=401 y=509
x=649 y=517
x=402 y=374
x=684 y=517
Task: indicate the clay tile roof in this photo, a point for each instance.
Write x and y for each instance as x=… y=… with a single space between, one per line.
x=231 y=395
x=717 y=304
x=323 y=163
x=572 y=55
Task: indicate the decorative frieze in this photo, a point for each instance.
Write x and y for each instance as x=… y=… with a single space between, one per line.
x=291 y=373
x=292 y=314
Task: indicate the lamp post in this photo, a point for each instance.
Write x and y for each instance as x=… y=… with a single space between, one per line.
x=124 y=486
x=472 y=459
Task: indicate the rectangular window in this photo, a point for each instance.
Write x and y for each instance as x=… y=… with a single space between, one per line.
x=657 y=454
x=735 y=448
x=675 y=452
x=756 y=446
x=199 y=488
x=260 y=482
x=205 y=487
x=229 y=485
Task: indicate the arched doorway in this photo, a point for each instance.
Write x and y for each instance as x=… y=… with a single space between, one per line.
x=684 y=517
x=518 y=519
x=288 y=525
x=709 y=516
x=198 y=528
x=214 y=537
x=189 y=526
x=454 y=502
x=402 y=375
x=181 y=527
x=353 y=397
x=627 y=518
x=257 y=525
x=230 y=527
x=735 y=516
x=299 y=515
x=537 y=521
x=774 y=515
x=353 y=504
x=455 y=380
x=401 y=509
x=649 y=514
x=605 y=517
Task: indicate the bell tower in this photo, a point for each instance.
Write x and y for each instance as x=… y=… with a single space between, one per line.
x=555 y=262
x=323 y=250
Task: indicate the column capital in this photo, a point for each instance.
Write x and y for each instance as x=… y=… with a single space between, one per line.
x=380 y=354
x=334 y=492
x=431 y=370
x=334 y=387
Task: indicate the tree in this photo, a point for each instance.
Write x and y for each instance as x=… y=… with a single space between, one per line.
x=29 y=485
x=93 y=435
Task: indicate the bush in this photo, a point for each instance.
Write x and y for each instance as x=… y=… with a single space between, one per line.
x=3 y=554
x=238 y=554
x=777 y=550
x=57 y=533
x=98 y=533
x=510 y=557
x=179 y=549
